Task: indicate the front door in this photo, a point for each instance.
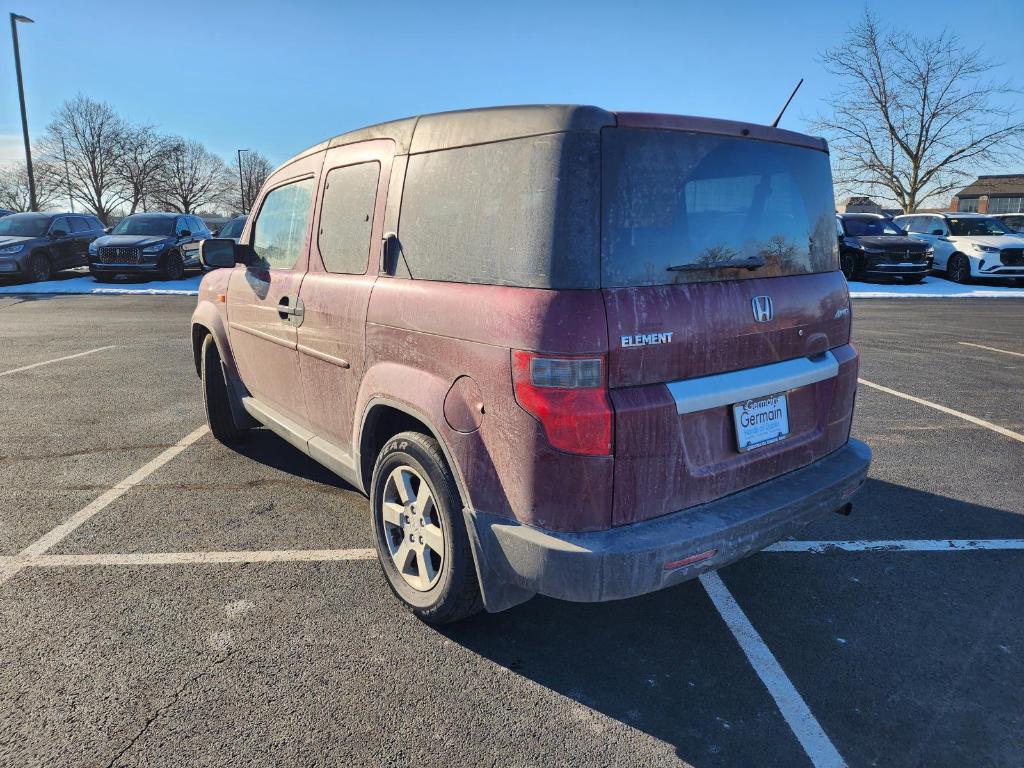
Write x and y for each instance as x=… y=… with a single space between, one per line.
x=63 y=246
x=344 y=260
x=264 y=312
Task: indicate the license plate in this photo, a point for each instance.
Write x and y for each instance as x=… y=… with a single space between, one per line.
x=762 y=421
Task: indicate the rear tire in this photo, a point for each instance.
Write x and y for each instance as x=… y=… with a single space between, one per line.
x=39 y=268
x=958 y=269
x=420 y=532
x=173 y=267
x=216 y=397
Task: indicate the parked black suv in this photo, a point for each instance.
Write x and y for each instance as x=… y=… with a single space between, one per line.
x=233 y=229
x=149 y=243
x=873 y=246
x=35 y=245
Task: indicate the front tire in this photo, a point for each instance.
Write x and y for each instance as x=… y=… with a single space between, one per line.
x=958 y=269
x=173 y=267
x=850 y=266
x=419 y=531
x=39 y=268
x=216 y=396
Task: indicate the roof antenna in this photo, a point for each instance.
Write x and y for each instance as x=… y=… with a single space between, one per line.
x=783 y=110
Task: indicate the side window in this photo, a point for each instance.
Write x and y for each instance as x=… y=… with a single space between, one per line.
x=95 y=223
x=180 y=225
x=280 y=227
x=839 y=227
x=199 y=226
x=346 y=217
x=61 y=224
x=79 y=224
x=934 y=223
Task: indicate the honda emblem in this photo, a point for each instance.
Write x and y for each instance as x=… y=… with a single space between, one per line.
x=763 y=310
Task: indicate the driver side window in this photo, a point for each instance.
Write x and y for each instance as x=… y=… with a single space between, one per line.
x=60 y=224
x=279 y=232
x=181 y=226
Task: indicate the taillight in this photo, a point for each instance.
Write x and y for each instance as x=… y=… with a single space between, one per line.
x=569 y=398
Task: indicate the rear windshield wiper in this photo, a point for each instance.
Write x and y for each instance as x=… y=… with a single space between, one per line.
x=751 y=264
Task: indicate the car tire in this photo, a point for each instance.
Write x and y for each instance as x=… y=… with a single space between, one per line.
x=39 y=268
x=958 y=269
x=850 y=265
x=215 y=396
x=173 y=267
x=420 y=537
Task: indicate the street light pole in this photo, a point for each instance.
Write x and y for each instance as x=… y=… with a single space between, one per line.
x=241 y=184
x=67 y=173
x=15 y=18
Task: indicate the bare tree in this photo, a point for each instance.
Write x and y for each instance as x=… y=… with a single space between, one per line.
x=92 y=135
x=14 y=194
x=143 y=155
x=193 y=178
x=916 y=116
x=256 y=169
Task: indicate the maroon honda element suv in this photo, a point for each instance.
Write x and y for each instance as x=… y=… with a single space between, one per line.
x=563 y=351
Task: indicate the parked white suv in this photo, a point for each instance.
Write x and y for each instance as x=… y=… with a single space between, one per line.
x=968 y=245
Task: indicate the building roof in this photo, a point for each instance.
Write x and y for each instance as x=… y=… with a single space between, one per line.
x=1003 y=185
x=447 y=130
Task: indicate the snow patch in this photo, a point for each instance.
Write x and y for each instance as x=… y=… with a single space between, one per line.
x=932 y=288
x=77 y=283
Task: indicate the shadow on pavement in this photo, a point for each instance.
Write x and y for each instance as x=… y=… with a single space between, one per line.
x=667 y=664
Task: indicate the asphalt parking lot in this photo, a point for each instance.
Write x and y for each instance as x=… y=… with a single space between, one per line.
x=167 y=600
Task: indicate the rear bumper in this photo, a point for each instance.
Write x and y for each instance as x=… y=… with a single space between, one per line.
x=515 y=561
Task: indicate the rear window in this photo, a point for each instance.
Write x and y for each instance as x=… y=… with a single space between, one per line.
x=678 y=206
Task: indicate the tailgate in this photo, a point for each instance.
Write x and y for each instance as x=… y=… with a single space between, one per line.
x=675 y=351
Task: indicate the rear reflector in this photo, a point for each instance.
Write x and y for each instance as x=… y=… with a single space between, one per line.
x=567 y=395
x=690 y=560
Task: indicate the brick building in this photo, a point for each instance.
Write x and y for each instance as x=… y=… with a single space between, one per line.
x=992 y=194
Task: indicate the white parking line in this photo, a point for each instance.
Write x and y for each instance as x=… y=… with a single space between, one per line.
x=203 y=558
x=55 y=360
x=991 y=349
x=794 y=709
x=959 y=414
x=897 y=545
x=56 y=535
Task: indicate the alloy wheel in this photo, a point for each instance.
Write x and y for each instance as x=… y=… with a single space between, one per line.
x=412 y=528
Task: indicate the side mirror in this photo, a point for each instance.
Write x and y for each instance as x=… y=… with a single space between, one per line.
x=107 y=230
x=57 y=234
x=215 y=233
x=938 y=232
x=185 y=233
x=218 y=252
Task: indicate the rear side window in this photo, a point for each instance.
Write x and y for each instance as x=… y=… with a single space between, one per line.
x=522 y=212
x=94 y=223
x=279 y=231
x=346 y=217
x=678 y=206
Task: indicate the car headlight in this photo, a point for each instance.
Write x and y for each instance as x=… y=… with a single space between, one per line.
x=985 y=248
x=93 y=248
x=854 y=244
x=155 y=248
x=13 y=249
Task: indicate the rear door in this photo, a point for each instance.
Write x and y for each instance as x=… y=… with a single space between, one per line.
x=728 y=319
x=81 y=232
x=344 y=262
x=264 y=312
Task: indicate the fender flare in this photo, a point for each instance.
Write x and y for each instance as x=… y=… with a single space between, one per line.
x=209 y=318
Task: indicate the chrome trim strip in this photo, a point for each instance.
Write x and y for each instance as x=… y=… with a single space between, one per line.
x=692 y=395
x=323 y=356
x=262 y=335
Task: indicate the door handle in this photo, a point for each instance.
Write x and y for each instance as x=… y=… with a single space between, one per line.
x=286 y=311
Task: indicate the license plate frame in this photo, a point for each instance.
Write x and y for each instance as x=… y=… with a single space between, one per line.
x=761 y=421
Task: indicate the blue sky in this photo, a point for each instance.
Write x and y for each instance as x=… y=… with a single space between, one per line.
x=278 y=76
